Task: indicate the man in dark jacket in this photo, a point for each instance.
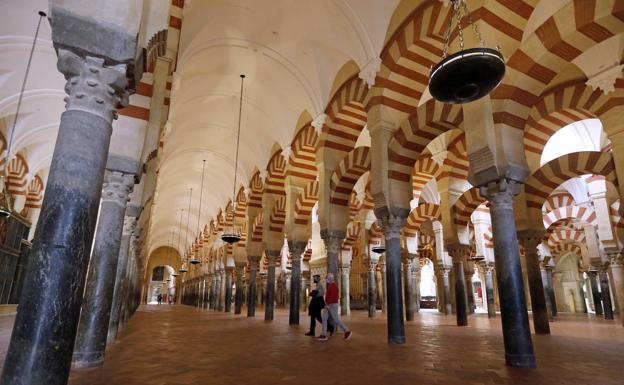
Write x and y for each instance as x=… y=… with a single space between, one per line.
x=317 y=303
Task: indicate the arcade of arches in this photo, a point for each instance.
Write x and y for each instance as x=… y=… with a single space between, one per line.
x=502 y=215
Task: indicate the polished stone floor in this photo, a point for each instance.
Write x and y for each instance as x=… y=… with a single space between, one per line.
x=175 y=345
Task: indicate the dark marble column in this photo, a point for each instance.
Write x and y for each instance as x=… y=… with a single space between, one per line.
x=122 y=265
x=515 y=319
x=372 y=288
x=489 y=289
x=345 y=300
x=97 y=302
x=296 y=248
x=547 y=278
x=410 y=269
x=269 y=299
x=605 y=292
x=251 y=285
x=238 y=300
x=531 y=239
x=593 y=281
x=133 y=252
x=443 y=289
x=468 y=273
x=616 y=266
x=459 y=253
x=333 y=244
x=221 y=289
x=392 y=229
x=42 y=342
x=213 y=290
x=228 y=288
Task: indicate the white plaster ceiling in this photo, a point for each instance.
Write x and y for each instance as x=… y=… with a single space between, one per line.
x=290 y=52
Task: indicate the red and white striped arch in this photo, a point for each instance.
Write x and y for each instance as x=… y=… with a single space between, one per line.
x=424 y=170
x=565 y=236
x=35 y=193
x=350 y=169
x=572 y=30
x=354 y=205
x=241 y=205
x=354 y=229
x=256 y=188
x=425 y=124
x=346 y=116
x=302 y=160
x=540 y=185
x=278 y=216
x=580 y=213
x=419 y=215
x=256 y=228
x=276 y=175
x=558 y=199
x=466 y=205
x=305 y=203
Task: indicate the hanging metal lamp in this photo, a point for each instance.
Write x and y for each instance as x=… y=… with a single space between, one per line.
x=380 y=247
x=190 y=253
x=232 y=234
x=468 y=74
x=196 y=260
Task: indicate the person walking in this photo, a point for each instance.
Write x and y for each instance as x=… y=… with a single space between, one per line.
x=159 y=298
x=316 y=305
x=331 y=310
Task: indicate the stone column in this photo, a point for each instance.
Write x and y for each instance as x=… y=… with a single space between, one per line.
x=531 y=239
x=93 y=327
x=333 y=244
x=296 y=249
x=605 y=292
x=45 y=327
x=213 y=291
x=459 y=254
x=133 y=251
x=269 y=299
x=593 y=283
x=345 y=300
x=122 y=264
x=372 y=288
x=384 y=286
x=515 y=319
x=410 y=268
x=222 y=283
x=251 y=284
x=549 y=292
x=392 y=230
x=616 y=265
x=489 y=289
x=228 y=288
x=238 y=302
x=468 y=273
x=443 y=288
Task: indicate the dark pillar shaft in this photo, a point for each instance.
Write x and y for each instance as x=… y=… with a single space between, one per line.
x=536 y=287
x=458 y=254
x=489 y=291
x=120 y=277
x=228 y=289
x=550 y=290
x=468 y=272
x=213 y=291
x=411 y=299
x=269 y=301
x=515 y=320
x=42 y=342
x=297 y=248
x=372 y=289
x=98 y=298
x=605 y=293
x=251 y=289
x=593 y=281
x=547 y=289
x=238 y=300
x=333 y=245
x=396 y=328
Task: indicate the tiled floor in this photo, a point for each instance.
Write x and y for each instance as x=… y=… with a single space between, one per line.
x=171 y=345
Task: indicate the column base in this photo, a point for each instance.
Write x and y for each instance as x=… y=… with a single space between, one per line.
x=87 y=360
x=526 y=361
x=396 y=340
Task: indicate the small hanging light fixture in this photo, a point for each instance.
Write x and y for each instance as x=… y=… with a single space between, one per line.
x=231 y=234
x=190 y=251
x=196 y=260
x=468 y=74
x=5 y=197
x=380 y=247
x=183 y=268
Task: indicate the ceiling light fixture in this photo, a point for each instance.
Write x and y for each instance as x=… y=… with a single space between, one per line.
x=468 y=74
x=196 y=260
x=232 y=233
x=183 y=268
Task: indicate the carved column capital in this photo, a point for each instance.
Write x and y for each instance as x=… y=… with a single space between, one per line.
x=500 y=193
x=459 y=252
x=392 y=225
x=129 y=225
x=92 y=86
x=297 y=248
x=117 y=187
x=333 y=241
x=616 y=260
